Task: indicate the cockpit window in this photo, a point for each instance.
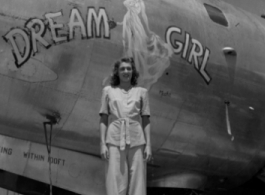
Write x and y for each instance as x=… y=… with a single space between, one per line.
x=216 y=15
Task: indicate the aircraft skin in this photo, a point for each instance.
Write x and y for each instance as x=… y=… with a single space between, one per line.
x=254 y=7
x=205 y=81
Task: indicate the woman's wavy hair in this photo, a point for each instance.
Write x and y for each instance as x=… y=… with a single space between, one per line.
x=115 y=79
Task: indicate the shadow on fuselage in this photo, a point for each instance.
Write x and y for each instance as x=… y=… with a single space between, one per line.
x=252 y=187
x=26 y=186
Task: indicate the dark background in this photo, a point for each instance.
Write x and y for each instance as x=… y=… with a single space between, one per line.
x=27 y=186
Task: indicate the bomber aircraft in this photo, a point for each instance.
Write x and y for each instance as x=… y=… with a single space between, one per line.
x=202 y=62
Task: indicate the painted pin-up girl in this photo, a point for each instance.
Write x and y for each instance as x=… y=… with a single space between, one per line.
x=125 y=131
x=150 y=52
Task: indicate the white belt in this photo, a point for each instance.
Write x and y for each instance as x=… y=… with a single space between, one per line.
x=125 y=123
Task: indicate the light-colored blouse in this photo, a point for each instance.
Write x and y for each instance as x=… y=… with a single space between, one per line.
x=125 y=109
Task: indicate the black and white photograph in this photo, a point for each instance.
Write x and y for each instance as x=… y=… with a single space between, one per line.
x=132 y=97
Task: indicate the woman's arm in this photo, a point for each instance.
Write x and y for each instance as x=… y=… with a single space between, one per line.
x=103 y=125
x=146 y=128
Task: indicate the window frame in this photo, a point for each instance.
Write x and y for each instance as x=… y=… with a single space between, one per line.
x=216 y=15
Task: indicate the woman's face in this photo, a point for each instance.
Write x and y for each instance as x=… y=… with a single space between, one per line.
x=133 y=5
x=125 y=72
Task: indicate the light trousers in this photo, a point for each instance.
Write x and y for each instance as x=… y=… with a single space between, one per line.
x=126 y=171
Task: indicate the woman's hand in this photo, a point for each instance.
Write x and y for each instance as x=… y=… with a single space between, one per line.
x=104 y=152
x=147 y=153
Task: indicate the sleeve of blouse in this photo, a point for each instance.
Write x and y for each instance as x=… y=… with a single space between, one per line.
x=104 y=109
x=145 y=110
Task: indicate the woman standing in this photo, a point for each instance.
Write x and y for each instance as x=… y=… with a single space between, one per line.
x=125 y=131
